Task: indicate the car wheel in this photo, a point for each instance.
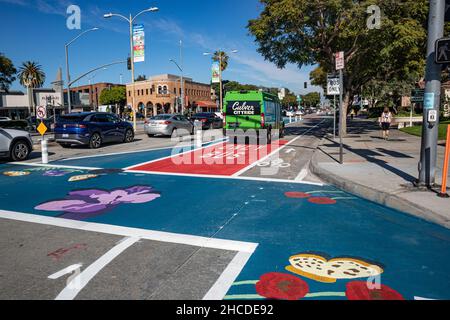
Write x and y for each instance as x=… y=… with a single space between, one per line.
x=20 y=151
x=150 y=135
x=174 y=133
x=129 y=136
x=96 y=141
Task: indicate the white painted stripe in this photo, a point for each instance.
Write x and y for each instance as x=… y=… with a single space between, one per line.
x=65 y=271
x=423 y=299
x=206 y=176
x=77 y=284
x=227 y=278
x=241 y=172
x=175 y=155
x=51 y=166
x=121 y=153
x=302 y=175
x=191 y=240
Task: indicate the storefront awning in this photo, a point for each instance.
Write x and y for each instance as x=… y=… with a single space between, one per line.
x=206 y=104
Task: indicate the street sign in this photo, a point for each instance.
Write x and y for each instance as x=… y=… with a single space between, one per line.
x=340 y=61
x=333 y=86
x=42 y=128
x=41 y=112
x=442 y=51
x=429 y=100
x=417 y=95
x=299 y=99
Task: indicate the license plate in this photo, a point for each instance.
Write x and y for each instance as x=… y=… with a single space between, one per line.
x=65 y=135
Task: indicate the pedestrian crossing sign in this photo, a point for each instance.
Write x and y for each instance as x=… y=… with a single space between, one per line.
x=443 y=51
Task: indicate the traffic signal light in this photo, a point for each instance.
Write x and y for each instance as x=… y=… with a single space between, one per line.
x=129 y=63
x=306 y=85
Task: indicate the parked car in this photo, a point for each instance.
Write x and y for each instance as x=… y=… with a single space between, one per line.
x=5 y=119
x=173 y=125
x=209 y=120
x=15 y=144
x=92 y=129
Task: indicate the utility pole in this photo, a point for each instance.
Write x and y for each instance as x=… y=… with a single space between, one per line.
x=182 y=78
x=428 y=154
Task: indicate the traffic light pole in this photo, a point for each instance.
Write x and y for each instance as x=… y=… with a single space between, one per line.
x=428 y=155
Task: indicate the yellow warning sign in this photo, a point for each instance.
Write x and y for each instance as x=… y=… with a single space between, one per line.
x=42 y=128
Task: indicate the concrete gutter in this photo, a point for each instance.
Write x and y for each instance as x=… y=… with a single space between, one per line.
x=390 y=200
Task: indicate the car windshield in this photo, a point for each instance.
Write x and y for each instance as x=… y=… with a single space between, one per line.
x=161 y=117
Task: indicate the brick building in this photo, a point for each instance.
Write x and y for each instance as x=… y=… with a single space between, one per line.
x=161 y=94
x=87 y=98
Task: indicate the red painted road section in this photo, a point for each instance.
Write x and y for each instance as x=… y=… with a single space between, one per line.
x=223 y=159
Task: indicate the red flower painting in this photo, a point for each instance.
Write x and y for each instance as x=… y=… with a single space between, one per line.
x=359 y=290
x=281 y=286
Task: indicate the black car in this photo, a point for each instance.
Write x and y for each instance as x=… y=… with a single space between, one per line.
x=209 y=120
x=92 y=129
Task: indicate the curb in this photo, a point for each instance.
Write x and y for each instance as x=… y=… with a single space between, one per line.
x=389 y=200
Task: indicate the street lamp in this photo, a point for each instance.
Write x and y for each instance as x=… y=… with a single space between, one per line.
x=220 y=73
x=130 y=21
x=69 y=101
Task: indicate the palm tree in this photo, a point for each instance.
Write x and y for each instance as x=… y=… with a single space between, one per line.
x=217 y=57
x=31 y=76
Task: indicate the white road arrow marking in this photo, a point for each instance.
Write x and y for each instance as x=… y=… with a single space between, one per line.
x=65 y=271
x=290 y=150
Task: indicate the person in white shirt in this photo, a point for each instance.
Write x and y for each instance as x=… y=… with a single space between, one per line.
x=385 y=122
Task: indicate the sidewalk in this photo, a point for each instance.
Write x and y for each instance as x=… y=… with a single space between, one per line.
x=381 y=171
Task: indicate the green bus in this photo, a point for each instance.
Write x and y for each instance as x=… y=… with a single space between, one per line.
x=252 y=110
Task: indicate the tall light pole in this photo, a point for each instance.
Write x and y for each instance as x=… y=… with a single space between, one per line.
x=182 y=85
x=220 y=73
x=428 y=154
x=130 y=20
x=69 y=100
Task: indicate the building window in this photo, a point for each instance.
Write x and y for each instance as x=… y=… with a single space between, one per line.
x=175 y=90
x=129 y=93
x=146 y=92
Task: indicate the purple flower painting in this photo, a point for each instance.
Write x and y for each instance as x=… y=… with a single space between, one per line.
x=55 y=173
x=84 y=204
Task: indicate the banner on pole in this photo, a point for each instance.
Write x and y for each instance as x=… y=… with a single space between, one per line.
x=139 y=43
x=215 y=73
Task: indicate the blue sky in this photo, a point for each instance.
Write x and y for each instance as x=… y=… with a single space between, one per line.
x=36 y=30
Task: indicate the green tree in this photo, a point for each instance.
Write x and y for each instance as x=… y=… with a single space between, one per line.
x=311 y=99
x=217 y=57
x=7 y=72
x=114 y=96
x=290 y=100
x=308 y=32
x=31 y=75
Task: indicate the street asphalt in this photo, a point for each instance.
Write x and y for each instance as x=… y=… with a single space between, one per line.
x=128 y=222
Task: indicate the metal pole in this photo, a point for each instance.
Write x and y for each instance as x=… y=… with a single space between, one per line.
x=133 y=106
x=428 y=154
x=182 y=77
x=220 y=70
x=334 y=119
x=341 y=115
x=69 y=98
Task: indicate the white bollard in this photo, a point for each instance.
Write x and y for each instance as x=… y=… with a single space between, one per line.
x=44 y=151
x=290 y=119
x=198 y=134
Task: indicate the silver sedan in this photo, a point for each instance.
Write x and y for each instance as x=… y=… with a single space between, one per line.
x=172 y=125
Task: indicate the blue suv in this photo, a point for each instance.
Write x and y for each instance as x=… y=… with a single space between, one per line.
x=92 y=129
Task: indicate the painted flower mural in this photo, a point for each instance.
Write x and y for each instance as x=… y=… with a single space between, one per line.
x=281 y=286
x=359 y=290
x=84 y=204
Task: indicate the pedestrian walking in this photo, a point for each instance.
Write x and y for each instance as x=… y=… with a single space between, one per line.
x=352 y=114
x=385 y=122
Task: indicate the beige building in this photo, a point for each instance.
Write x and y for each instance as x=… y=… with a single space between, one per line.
x=162 y=94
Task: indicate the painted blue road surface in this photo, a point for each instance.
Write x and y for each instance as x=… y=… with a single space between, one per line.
x=410 y=257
